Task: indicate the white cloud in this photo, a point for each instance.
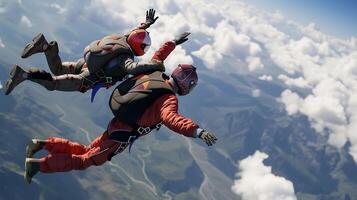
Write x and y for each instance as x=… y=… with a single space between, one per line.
x=2 y=45
x=323 y=110
x=254 y=63
x=292 y=102
x=229 y=43
x=168 y=6
x=297 y=82
x=25 y=21
x=58 y=8
x=118 y=15
x=209 y=56
x=265 y=77
x=256 y=93
x=257 y=182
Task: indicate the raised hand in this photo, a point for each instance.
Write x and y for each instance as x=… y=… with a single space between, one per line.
x=179 y=39
x=150 y=17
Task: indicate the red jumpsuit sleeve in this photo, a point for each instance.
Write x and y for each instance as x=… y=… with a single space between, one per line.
x=164 y=51
x=174 y=121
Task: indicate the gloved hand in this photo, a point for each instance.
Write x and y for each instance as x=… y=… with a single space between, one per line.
x=207 y=137
x=150 y=17
x=179 y=39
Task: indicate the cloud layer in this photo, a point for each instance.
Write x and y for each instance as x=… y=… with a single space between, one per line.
x=256 y=181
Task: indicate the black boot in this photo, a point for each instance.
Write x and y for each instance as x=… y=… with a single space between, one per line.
x=17 y=76
x=37 y=45
x=32 y=166
x=34 y=146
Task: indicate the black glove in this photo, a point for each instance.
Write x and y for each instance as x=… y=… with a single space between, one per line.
x=150 y=17
x=207 y=137
x=179 y=39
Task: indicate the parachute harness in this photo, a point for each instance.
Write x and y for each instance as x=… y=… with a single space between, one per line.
x=125 y=137
x=144 y=131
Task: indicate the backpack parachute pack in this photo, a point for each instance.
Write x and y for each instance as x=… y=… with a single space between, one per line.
x=100 y=52
x=132 y=97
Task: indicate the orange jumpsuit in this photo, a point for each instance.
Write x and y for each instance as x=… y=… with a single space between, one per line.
x=65 y=155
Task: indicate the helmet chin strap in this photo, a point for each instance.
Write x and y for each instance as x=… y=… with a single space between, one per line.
x=173 y=85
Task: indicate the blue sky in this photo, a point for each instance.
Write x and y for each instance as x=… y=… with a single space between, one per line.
x=335 y=17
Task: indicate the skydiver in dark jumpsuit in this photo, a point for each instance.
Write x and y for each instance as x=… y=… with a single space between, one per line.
x=105 y=61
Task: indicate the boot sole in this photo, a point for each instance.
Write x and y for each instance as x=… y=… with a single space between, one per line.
x=27 y=177
x=27 y=50
x=29 y=150
x=9 y=85
x=29 y=153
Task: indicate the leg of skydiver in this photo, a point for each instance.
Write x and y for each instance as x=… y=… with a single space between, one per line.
x=39 y=44
x=64 y=82
x=67 y=82
x=56 y=145
x=101 y=151
x=55 y=64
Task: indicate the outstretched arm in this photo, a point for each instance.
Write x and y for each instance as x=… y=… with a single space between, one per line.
x=181 y=124
x=129 y=66
x=165 y=50
x=173 y=120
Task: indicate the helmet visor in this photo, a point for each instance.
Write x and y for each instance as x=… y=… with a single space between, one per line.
x=146 y=43
x=145 y=47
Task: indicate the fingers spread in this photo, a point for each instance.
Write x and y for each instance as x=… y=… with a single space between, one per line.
x=185 y=34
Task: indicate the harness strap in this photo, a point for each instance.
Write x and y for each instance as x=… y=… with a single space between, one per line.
x=130 y=137
x=103 y=80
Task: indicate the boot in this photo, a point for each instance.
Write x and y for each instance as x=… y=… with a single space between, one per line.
x=37 y=45
x=17 y=75
x=34 y=146
x=32 y=166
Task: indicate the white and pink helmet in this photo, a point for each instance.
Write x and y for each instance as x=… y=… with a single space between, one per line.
x=185 y=76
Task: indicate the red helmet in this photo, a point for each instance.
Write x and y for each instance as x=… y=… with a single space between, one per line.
x=185 y=77
x=139 y=41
